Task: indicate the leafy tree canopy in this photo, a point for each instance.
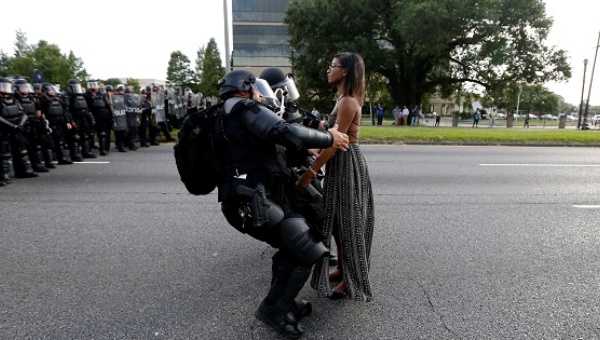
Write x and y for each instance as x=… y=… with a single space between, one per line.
x=209 y=68
x=425 y=46
x=56 y=67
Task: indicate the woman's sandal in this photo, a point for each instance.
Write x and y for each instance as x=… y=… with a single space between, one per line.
x=337 y=293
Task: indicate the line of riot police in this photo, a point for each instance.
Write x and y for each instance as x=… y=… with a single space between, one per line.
x=41 y=126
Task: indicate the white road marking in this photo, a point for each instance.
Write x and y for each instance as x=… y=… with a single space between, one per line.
x=546 y=165
x=583 y=206
x=86 y=162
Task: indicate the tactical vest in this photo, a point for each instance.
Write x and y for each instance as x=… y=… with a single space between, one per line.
x=56 y=111
x=10 y=111
x=98 y=107
x=78 y=104
x=28 y=105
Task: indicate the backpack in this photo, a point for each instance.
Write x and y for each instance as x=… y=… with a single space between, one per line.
x=200 y=159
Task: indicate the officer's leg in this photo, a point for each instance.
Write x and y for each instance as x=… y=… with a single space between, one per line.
x=83 y=131
x=46 y=147
x=73 y=142
x=33 y=150
x=59 y=139
x=4 y=159
x=21 y=163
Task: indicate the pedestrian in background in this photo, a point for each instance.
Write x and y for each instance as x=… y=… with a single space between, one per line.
x=380 y=114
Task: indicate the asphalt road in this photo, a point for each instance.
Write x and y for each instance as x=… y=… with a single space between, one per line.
x=470 y=243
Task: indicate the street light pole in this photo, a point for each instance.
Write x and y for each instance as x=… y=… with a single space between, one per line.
x=587 y=103
x=585 y=61
x=519 y=97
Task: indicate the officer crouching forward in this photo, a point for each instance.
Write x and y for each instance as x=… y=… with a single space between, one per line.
x=253 y=199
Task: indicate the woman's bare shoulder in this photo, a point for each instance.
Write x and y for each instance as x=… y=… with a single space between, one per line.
x=348 y=103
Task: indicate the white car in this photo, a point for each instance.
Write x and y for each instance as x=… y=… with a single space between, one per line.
x=571 y=118
x=549 y=117
x=500 y=115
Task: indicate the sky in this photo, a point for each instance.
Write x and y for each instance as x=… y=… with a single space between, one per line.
x=135 y=40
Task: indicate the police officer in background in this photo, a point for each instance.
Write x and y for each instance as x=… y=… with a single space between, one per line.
x=132 y=112
x=35 y=127
x=117 y=99
x=253 y=199
x=12 y=139
x=54 y=111
x=101 y=109
x=145 y=117
x=82 y=117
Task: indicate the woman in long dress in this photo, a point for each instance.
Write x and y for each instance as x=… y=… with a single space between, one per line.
x=347 y=189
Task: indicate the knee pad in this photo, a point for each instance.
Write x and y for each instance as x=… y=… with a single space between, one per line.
x=296 y=235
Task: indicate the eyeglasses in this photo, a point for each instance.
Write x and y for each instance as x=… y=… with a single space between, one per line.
x=334 y=66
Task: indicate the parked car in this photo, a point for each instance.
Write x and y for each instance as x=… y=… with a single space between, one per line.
x=548 y=117
x=500 y=115
x=595 y=119
x=568 y=118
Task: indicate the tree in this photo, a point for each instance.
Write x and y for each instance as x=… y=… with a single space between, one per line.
x=209 y=68
x=424 y=46
x=179 y=72
x=56 y=67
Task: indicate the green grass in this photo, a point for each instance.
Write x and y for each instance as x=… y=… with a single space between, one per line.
x=466 y=135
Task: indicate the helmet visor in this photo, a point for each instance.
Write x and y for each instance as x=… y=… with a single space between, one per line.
x=6 y=87
x=76 y=88
x=265 y=90
x=92 y=85
x=24 y=88
x=290 y=86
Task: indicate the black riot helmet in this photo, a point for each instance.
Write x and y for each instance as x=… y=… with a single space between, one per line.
x=74 y=87
x=128 y=90
x=6 y=87
x=49 y=90
x=279 y=80
x=273 y=75
x=22 y=87
x=148 y=89
x=144 y=91
x=235 y=81
x=108 y=88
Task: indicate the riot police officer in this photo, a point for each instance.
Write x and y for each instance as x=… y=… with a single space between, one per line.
x=12 y=126
x=145 y=117
x=35 y=129
x=101 y=109
x=254 y=201
x=132 y=112
x=83 y=119
x=117 y=98
x=58 y=120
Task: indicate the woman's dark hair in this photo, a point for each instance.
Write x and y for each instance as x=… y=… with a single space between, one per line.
x=354 y=83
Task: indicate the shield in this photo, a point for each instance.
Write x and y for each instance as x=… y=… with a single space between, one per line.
x=133 y=109
x=157 y=100
x=181 y=107
x=119 y=112
x=172 y=100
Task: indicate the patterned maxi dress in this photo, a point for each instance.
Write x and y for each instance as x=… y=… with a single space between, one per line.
x=349 y=204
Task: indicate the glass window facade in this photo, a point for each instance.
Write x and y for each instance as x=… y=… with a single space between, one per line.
x=259 y=35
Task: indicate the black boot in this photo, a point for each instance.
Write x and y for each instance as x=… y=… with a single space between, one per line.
x=75 y=152
x=5 y=167
x=281 y=318
x=85 y=150
x=36 y=161
x=22 y=165
x=301 y=309
x=47 y=154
